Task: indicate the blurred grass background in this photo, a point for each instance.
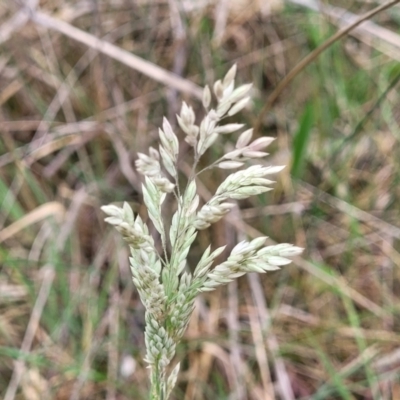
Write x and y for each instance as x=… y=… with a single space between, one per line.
x=72 y=119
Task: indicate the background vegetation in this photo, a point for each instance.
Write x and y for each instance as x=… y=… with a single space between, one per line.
x=72 y=120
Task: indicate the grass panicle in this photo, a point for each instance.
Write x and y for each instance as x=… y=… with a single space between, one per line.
x=166 y=288
x=83 y=88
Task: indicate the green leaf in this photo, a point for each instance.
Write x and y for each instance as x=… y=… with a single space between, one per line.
x=8 y=202
x=300 y=141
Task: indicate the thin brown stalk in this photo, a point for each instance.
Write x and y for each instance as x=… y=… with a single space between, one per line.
x=19 y=365
x=313 y=55
x=145 y=67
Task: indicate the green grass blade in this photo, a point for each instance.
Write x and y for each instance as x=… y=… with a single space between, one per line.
x=300 y=141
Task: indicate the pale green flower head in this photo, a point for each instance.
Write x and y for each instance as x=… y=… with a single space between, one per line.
x=165 y=285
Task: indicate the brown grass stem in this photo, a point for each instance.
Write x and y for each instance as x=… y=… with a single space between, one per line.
x=312 y=56
x=145 y=67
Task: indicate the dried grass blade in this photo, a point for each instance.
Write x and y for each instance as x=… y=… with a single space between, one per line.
x=145 y=67
x=41 y=212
